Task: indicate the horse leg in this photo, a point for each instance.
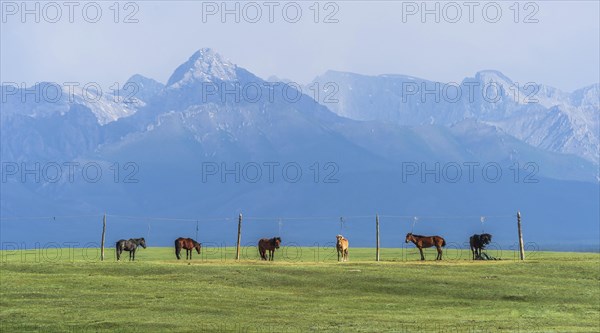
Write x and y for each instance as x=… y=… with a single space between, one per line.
x=338 y=251
x=422 y=256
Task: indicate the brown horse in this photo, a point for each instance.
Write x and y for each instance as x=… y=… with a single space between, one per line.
x=342 y=247
x=268 y=244
x=425 y=242
x=188 y=244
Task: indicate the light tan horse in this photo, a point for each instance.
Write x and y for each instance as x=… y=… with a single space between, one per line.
x=342 y=247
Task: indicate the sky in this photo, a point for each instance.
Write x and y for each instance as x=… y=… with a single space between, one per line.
x=549 y=42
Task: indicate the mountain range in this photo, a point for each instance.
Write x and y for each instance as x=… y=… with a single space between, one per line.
x=216 y=140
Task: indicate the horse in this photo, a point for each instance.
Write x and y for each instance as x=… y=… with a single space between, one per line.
x=478 y=243
x=188 y=244
x=425 y=242
x=268 y=244
x=129 y=245
x=342 y=247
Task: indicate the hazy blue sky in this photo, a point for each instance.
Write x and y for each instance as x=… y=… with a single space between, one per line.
x=561 y=49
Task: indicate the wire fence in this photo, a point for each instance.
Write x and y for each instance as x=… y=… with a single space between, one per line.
x=298 y=230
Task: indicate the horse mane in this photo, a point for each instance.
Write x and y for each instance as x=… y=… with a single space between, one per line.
x=421 y=236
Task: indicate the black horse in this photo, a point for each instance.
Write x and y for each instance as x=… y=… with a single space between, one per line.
x=478 y=243
x=129 y=245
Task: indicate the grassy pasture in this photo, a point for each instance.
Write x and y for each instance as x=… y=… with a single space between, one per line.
x=304 y=290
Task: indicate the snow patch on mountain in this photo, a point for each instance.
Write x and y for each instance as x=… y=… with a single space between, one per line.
x=539 y=115
x=205 y=65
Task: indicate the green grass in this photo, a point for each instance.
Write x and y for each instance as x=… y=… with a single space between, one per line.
x=305 y=289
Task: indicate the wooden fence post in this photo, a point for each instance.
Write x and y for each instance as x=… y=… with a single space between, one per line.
x=239 y=238
x=377 y=237
x=521 y=247
x=103 y=235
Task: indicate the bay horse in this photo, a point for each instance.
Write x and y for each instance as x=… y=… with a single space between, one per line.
x=129 y=245
x=188 y=244
x=478 y=243
x=342 y=247
x=425 y=242
x=268 y=244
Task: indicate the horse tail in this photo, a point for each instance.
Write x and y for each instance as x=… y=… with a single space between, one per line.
x=177 y=248
x=261 y=250
x=443 y=242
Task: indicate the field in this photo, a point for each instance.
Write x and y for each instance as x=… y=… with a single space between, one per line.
x=304 y=290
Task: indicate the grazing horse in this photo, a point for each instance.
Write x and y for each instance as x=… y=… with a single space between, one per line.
x=268 y=244
x=129 y=245
x=188 y=244
x=342 y=247
x=478 y=243
x=425 y=242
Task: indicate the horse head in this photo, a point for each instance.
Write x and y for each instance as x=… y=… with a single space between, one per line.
x=409 y=237
x=197 y=246
x=485 y=239
x=339 y=238
x=142 y=242
x=277 y=242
